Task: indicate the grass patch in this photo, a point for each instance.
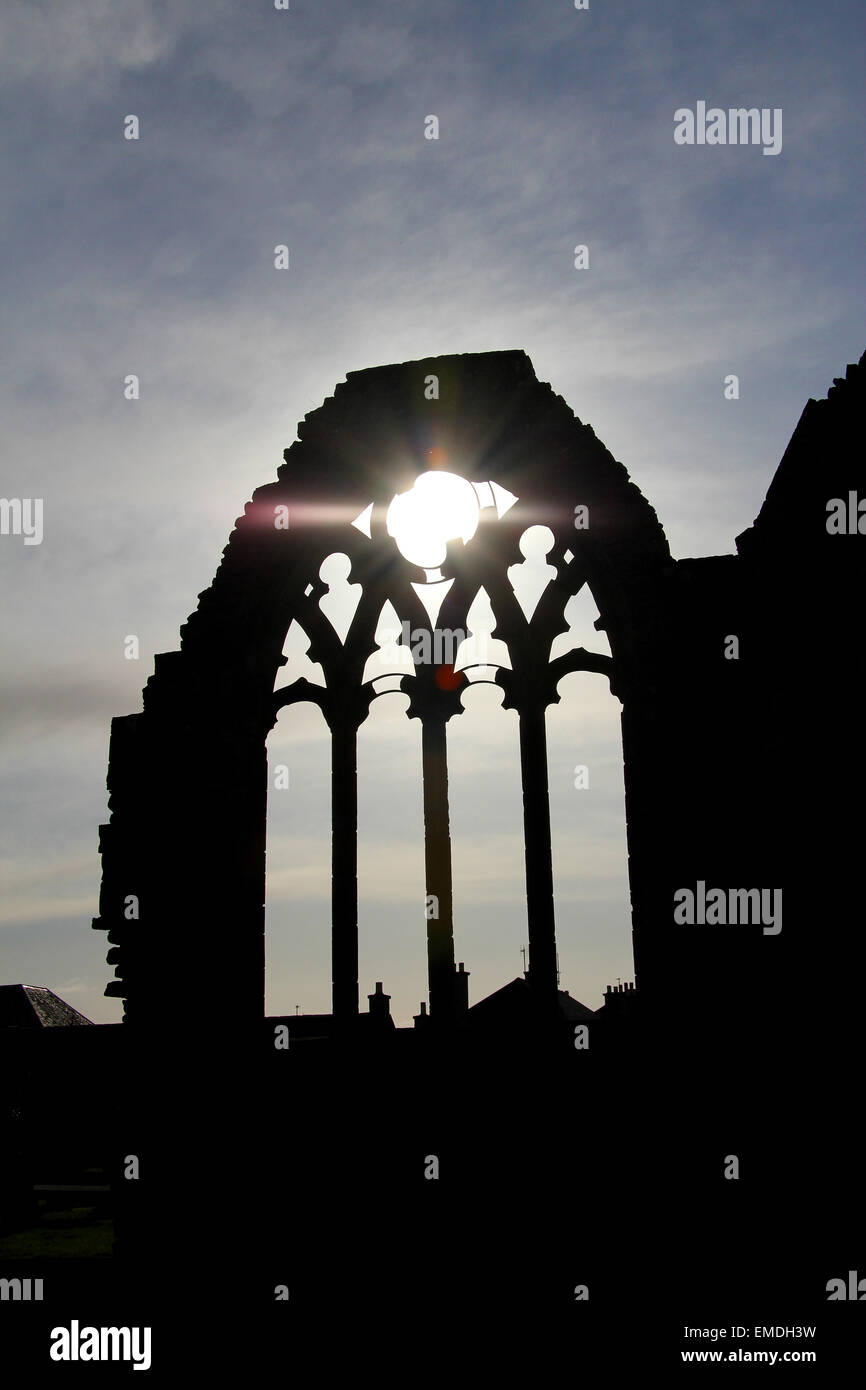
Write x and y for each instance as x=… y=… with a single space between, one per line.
x=64 y=1233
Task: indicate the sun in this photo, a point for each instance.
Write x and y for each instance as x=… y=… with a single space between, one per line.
x=439 y=508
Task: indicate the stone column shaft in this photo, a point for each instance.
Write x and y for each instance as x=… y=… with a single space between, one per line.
x=539 y=859
x=344 y=869
x=437 y=860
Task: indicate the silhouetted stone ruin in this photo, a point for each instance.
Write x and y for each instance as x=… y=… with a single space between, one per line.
x=740 y=678
x=713 y=769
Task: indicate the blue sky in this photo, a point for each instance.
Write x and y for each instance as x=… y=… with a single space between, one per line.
x=155 y=257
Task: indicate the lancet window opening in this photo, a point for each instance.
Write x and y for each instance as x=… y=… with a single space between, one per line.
x=427 y=557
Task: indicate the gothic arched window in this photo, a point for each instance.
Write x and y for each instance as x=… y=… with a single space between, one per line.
x=452 y=583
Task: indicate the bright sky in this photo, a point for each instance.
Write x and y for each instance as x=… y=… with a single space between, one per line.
x=156 y=257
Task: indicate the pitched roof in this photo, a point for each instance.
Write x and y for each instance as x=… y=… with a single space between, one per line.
x=34 y=1006
x=517 y=998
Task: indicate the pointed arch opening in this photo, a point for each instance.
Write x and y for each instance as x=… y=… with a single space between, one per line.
x=294 y=614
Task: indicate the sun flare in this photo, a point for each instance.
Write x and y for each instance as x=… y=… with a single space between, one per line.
x=439 y=508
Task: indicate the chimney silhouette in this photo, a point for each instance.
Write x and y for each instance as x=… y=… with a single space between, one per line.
x=461 y=990
x=380 y=1003
x=618 y=997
